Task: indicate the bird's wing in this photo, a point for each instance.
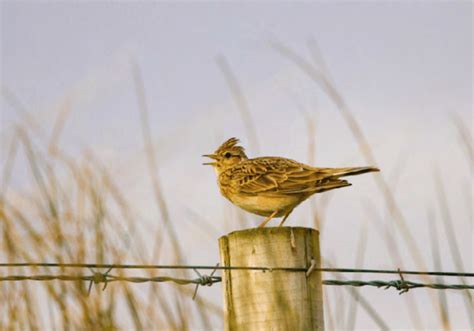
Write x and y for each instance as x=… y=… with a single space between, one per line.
x=268 y=176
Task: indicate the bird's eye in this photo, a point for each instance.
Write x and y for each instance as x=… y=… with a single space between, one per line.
x=227 y=155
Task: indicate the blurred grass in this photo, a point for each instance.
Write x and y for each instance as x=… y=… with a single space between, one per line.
x=319 y=74
x=68 y=194
x=443 y=304
x=48 y=222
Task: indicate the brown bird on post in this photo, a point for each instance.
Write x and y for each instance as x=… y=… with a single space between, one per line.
x=272 y=186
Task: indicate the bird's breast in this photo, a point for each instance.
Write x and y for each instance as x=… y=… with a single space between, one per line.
x=263 y=205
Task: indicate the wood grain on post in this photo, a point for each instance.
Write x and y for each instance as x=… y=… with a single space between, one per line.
x=272 y=300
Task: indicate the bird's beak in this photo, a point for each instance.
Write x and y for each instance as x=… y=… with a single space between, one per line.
x=212 y=156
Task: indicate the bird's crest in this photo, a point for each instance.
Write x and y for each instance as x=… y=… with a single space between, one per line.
x=230 y=144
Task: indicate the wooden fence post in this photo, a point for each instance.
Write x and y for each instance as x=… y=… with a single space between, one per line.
x=272 y=300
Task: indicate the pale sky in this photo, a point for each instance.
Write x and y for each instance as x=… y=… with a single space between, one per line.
x=403 y=67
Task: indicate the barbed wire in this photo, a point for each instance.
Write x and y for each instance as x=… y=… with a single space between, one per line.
x=96 y=277
x=208 y=280
x=256 y=268
x=401 y=286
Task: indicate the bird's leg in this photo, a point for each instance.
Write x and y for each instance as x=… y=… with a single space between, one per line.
x=285 y=217
x=268 y=219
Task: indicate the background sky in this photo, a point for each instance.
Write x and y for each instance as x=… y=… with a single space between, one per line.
x=404 y=68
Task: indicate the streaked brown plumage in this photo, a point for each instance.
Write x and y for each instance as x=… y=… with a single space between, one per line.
x=272 y=186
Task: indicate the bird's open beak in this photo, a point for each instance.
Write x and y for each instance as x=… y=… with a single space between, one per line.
x=212 y=156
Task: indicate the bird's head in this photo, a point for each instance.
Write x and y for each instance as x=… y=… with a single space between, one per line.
x=227 y=156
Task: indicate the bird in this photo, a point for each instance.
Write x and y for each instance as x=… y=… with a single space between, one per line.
x=272 y=186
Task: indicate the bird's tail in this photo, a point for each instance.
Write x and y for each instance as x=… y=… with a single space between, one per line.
x=342 y=172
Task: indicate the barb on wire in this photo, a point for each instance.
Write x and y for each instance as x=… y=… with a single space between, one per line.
x=402 y=286
x=205 y=280
x=98 y=277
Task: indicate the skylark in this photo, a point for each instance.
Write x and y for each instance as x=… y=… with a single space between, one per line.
x=272 y=186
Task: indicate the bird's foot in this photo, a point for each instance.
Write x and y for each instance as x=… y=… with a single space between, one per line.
x=268 y=219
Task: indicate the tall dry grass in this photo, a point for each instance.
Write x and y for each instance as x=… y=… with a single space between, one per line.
x=318 y=73
x=74 y=211
x=66 y=195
